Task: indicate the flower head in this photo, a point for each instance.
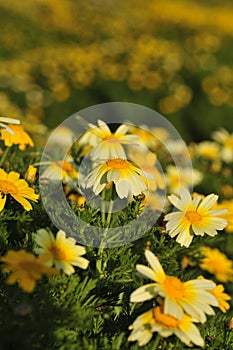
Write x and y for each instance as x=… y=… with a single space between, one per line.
x=192 y=297
x=7 y=120
x=217 y=263
x=156 y=320
x=194 y=217
x=59 y=170
x=25 y=269
x=128 y=178
x=19 y=137
x=110 y=144
x=178 y=178
x=10 y=184
x=208 y=150
x=60 y=251
x=226 y=140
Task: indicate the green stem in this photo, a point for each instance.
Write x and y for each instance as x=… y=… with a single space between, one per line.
x=101 y=264
x=156 y=342
x=5 y=153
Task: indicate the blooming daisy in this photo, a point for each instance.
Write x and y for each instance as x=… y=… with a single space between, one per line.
x=192 y=297
x=156 y=320
x=19 y=137
x=7 y=120
x=110 y=144
x=128 y=178
x=194 y=216
x=25 y=269
x=217 y=263
x=60 y=251
x=10 y=184
x=178 y=178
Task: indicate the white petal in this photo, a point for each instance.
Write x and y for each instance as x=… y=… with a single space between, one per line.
x=143 y=293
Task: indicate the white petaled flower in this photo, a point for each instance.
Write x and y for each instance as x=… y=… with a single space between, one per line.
x=194 y=217
x=192 y=297
x=129 y=179
x=110 y=144
x=4 y=120
x=62 y=252
x=155 y=320
x=226 y=140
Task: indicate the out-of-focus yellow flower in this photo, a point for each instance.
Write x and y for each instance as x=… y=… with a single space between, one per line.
x=10 y=184
x=207 y=149
x=30 y=174
x=178 y=178
x=59 y=170
x=62 y=252
x=20 y=137
x=226 y=141
x=6 y=120
x=217 y=263
x=227 y=204
x=25 y=269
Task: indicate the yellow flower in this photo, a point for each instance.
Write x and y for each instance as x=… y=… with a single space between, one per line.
x=30 y=174
x=156 y=320
x=25 y=269
x=7 y=120
x=19 y=137
x=60 y=251
x=226 y=140
x=194 y=217
x=110 y=144
x=10 y=184
x=192 y=297
x=209 y=150
x=178 y=178
x=59 y=170
x=219 y=294
x=127 y=177
x=217 y=264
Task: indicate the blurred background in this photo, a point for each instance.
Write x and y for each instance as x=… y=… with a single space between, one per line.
x=60 y=56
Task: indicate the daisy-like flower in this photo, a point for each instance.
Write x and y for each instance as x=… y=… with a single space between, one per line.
x=19 y=137
x=10 y=184
x=226 y=140
x=222 y=297
x=6 y=120
x=110 y=144
x=62 y=252
x=153 y=137
x=191 y=297
x=194 y=217
x=59 y=170
x=208 y=150
x=178 y=178
x=217 y=263
x=156 y=320
x=25 y=269
x=30 y=174
x=128 y=178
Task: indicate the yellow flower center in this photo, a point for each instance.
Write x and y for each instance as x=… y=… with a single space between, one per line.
x=117 y=163
x=229 y=143
x=7 y=187
x=193 y=217
x=166 y=321
x=110 y=137
x=58 y=253
x=174 y=287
